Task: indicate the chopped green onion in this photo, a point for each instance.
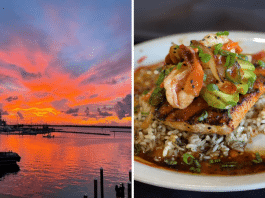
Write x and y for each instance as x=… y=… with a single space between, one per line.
x=256 y=161
x=146 y=92
x=228 y=165
x=176 y=46
x=160 y=78
x=203 y=56
x=261 y=63
x=229 y=113
x=217 y=48
x=230 y=60
x=213 y=161
x=259 y=159
x=196 y=162
x=203 y=116
x=192 y=169
x=231 y=57
x=227 y=61
x=135 y=109
x=170 y=162
x=167 y=71
x=157 y=96
x=231 y=162
x=159 y=69
x=186 y=158
x=145 y=113
x=137 y=149
x=225 y=33
x=212 y=87
x=204 y=77
x=243 y=57
x=179 y=65
x=217 y=160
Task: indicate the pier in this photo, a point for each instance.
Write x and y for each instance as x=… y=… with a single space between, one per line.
x=119 y=190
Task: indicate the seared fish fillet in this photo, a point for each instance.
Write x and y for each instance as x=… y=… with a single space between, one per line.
x=217 y=121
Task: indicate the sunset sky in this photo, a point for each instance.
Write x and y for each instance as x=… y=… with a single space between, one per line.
x=65 y=62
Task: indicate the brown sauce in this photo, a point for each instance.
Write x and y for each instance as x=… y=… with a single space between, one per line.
x=243 y=166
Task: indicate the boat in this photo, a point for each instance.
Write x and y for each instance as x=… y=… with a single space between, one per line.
x=10 y=169
x=9 y=158
x=48 y=136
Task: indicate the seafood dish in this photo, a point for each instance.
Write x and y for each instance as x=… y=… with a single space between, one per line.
x=197 y=110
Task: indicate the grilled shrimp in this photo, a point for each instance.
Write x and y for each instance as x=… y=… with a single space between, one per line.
x=183 y=85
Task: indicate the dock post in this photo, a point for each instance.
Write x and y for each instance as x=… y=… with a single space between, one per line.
x=95 y=188
x=130 y=175
x=129 y=190
x=101 y=182
x=122 y=190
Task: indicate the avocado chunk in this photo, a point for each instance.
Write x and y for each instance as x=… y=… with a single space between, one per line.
x=234 y=74
x=249 y=74
x=249 y=78
x=229 y=99
x=242 y=88
x=219 y=99
x=246 y=65
x=212 y=100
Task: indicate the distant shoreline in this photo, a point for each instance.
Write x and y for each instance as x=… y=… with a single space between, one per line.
x=87 y=126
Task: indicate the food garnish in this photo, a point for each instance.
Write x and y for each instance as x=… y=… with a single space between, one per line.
x=203 y=116
x=261 y=63
x=170 y=162
x=258 y=159
x=188 y=158
x=222 y=33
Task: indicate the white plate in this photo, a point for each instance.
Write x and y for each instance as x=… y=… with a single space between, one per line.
x=155 y=51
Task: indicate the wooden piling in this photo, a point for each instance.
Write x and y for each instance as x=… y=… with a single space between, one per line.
x=122 y=190
x=95 y=188
x=101 y=183
x=129 y=190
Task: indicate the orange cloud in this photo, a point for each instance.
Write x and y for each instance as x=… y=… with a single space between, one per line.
x=31 y=61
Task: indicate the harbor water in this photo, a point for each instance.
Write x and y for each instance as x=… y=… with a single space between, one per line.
x=66 y=165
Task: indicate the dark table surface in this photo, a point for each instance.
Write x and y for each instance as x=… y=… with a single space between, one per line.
x=142 y=190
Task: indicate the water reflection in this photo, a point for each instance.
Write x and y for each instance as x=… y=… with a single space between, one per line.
x=66 y=165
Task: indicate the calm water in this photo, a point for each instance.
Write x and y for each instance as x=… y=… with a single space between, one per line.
x=65 y=166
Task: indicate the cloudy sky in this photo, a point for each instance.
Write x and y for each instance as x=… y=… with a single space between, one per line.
x=65 y=62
